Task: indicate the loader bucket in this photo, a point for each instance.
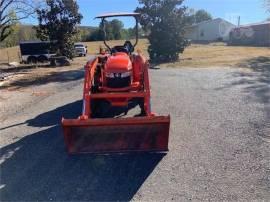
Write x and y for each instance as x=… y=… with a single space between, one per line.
x=118 y=135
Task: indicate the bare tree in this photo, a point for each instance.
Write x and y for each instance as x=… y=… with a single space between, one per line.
x=11 y=11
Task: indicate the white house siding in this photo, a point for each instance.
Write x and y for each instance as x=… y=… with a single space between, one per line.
x=211 y=30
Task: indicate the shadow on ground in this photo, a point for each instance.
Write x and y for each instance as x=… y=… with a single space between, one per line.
x=73 y=110
x=21 y=68
x=53 y=117
x=37 y=167
x=258 y=80
x=255 y=82
x=256 y=86
x=258 y=64
x=40 y=79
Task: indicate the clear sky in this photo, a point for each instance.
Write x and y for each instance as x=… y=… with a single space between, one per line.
x=251 y=11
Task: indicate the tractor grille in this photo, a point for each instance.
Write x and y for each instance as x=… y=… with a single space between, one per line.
x=118 y=82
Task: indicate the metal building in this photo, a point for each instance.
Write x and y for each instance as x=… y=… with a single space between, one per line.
x=251 y=35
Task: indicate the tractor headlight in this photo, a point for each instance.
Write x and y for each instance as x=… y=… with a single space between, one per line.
x=118 y=75
x=125 y=74
x=109 y=75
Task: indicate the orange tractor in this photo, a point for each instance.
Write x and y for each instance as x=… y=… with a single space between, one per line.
x=116 y=80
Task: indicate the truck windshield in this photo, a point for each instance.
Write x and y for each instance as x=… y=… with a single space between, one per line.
x=79 y=46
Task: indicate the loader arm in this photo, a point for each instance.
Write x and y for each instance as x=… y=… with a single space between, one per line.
x=90 y=69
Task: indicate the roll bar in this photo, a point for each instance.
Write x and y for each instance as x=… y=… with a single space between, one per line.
x=104 y=16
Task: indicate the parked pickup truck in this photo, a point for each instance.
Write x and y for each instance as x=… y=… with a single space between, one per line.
x=80 y=49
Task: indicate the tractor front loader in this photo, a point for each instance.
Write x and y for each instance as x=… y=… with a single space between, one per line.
x=118 y=78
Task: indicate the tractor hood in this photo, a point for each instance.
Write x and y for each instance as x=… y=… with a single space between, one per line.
x=118 y=63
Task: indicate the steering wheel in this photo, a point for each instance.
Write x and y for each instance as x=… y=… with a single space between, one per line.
x=116 y=49
x=126 y=48
x=128 y=45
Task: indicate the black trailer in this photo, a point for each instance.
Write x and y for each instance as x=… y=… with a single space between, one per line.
x=36 y=51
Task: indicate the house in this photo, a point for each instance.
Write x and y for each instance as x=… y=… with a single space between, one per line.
x=212 y=30
x=251 y=35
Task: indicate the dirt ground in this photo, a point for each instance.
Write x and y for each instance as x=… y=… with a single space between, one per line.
x=27 y=75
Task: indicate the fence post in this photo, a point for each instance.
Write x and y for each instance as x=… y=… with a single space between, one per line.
x=8 y=56
x=20 y=57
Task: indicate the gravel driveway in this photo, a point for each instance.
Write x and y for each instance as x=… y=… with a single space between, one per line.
x=219 y=142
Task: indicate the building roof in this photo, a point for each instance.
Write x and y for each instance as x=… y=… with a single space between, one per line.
x=209 y=21
x=255 y=24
